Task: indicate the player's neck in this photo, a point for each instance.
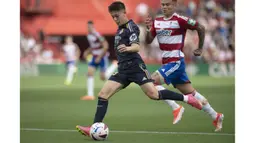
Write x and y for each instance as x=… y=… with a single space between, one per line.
x=168 y=15
x=124 y=21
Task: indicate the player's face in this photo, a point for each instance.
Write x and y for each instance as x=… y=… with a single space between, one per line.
x=69 y=39
x=90 y=28
x=118 y=17
x=168 y=6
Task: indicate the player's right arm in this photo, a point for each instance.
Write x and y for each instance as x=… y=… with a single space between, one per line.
x=150 y=30
x=87 y=52
x=104 y=44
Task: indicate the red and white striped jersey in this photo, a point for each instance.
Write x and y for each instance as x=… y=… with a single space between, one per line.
x=95 y=40
x=171 y=34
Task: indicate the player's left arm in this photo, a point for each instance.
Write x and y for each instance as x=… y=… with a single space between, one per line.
x=191 y=24
x=201 y=35
x=133 y=41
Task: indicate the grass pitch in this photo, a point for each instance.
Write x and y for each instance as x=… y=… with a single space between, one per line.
x=49 y=112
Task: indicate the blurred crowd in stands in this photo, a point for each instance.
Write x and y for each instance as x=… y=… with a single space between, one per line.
x=218 y=16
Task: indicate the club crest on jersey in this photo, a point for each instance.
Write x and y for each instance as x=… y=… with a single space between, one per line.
x=191 y=22
x=163 y=32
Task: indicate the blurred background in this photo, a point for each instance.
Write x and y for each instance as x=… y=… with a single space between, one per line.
x=45 y=23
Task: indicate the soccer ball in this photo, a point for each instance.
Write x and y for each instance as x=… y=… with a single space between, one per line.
x=99 y=131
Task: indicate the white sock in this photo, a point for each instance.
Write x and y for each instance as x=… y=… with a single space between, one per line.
x=171 y=103
x=110 y=70
x=90 y=85
x=207 y=107
x=185 y=98
x=70 y=73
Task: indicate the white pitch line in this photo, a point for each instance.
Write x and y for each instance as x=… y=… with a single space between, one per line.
x=134 y=132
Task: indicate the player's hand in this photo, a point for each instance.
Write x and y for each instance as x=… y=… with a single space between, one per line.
x=198 y=52
x=148 y=22
x=98 y=59
x=122 y=48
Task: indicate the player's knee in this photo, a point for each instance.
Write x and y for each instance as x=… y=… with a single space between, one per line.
x=156 y=78
x=90 y=74
x=103 y=95
x=152 y=94
x=102 y=77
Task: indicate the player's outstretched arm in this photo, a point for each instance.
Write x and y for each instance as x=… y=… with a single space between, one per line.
x=201 y=34
x=87 y=52
x=149 y=37
x=149 y=30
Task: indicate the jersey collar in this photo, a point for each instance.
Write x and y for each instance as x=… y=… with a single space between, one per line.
x=169 y=17
x=126 y=24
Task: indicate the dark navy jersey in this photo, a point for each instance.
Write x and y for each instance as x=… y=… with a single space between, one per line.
x=127 y=34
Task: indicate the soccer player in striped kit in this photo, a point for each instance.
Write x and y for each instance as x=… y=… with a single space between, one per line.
x=99 y=50
x=170 y=30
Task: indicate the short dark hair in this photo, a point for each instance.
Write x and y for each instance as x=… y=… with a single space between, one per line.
x=116 y=6
x=90 y=22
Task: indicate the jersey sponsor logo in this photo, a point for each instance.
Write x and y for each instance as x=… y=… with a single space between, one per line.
x=133 y=37
x=164 y=32
x=191 y=22
x=174 y=24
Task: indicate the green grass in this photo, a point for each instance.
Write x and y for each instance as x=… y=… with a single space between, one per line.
x=45 y=103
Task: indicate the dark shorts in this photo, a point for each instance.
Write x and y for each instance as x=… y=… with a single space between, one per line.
x=131 y=72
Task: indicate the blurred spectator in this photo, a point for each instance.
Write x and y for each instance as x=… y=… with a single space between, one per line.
x=46 y=56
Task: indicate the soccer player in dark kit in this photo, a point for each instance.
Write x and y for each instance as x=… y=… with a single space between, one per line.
x=131 y=68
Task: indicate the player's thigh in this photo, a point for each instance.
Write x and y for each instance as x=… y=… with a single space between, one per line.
x=109 y=89
x=158 y=78
x=150 y=90
x=103 y=64
x=168 y=72
x=185 y=88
